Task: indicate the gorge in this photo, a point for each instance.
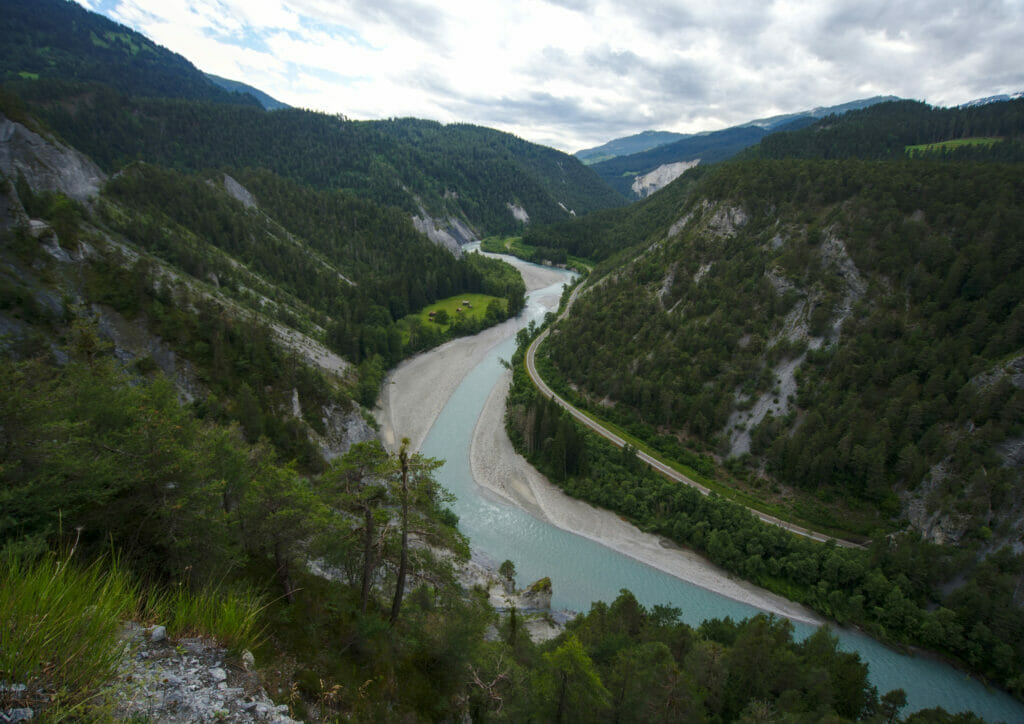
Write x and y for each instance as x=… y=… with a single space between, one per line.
x=447 y=398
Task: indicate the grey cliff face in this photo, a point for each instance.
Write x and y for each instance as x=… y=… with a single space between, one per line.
x=46 y=164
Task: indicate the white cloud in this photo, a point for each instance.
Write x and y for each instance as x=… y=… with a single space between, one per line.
x=575 y=73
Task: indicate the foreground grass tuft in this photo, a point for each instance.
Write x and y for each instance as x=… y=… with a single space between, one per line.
x=59 y=630
x=232 y=617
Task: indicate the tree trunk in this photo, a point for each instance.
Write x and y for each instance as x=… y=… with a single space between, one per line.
x=562 y=691
x=283 y=573
x=364 y=595
x=403 y=562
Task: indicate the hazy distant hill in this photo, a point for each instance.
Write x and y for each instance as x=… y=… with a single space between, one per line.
x=711 y=147
x=234 y=86
x=620 y=172
x=629 y=145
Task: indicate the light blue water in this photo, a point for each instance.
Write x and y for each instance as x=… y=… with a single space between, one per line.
x=583 y=571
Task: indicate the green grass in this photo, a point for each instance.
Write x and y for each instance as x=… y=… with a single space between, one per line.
x=949 y=145
x=477 y=310
x=514 y=245
x=60 y=628
x=231 y=617
x=506 y=245
x=59 y=631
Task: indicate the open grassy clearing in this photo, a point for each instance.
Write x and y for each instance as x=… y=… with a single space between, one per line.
x=455 y=308
x=514 y=245
x=951 y=144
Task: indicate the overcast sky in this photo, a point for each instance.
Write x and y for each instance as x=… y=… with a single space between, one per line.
x=576 y=73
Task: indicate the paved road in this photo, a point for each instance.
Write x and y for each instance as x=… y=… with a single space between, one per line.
x=658 y=465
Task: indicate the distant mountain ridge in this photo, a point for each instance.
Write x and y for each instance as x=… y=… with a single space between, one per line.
x=643 y=141
x=992 y=99
x=776 y=122
x=620 y=170
x=234 y=86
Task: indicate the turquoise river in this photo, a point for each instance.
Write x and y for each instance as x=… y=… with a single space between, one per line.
x=583 y=571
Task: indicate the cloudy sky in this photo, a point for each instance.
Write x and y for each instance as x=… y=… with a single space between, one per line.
x=576 y=73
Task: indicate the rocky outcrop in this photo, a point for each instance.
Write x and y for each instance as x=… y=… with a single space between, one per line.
x=645 y=185
x=518 y=212
x=726 y=220
x=344 y=427
x=925 y=514
x=191 y=679
x=796 y=328
x=239 y=193
x=451 y=233
x=537 y=595
x=532 y=604
x=12 y=213
x=133 y=340
x=46 y=164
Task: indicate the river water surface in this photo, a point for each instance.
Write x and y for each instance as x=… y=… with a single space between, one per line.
x=582 y=570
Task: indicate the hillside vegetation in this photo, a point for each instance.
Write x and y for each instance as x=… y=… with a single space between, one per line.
x=198 y=302
x=846 y=336
x=61 y=39
x=424 y=168
x=885 y=130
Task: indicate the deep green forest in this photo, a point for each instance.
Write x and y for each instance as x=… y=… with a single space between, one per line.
x=894 y=589
x=886 y=129
x=924 y=325
x=457 y=170
x=61 y=39
x=228 y=506
x=893 y=290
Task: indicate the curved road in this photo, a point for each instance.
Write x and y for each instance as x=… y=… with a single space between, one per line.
x=659 y=466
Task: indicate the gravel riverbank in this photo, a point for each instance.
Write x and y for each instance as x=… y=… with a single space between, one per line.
x=418 y=389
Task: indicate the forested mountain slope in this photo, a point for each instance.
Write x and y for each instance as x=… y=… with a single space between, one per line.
x=887 y=129
x=223 y=278
x=118 y=97
x=842 y=339
x=478 y=175
x=234 y=86
x=852 y=328
x=61 y=39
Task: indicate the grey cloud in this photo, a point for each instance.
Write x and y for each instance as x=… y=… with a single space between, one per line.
x=421 y=20
x=619 y=62
x=575 y=5
x=662 y=18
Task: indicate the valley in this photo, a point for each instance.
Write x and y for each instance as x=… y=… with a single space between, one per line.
x=265 y=385
x=453 y=399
